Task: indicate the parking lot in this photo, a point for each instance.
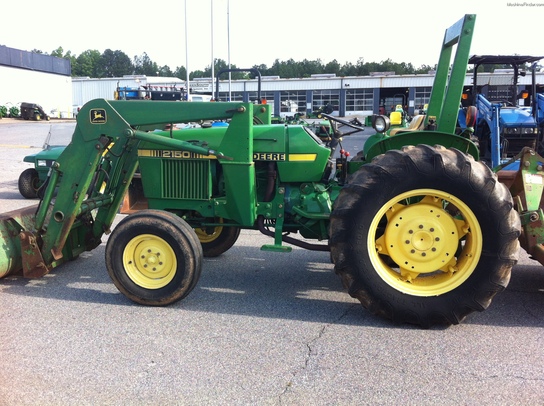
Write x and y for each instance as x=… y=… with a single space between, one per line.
x=260 y=328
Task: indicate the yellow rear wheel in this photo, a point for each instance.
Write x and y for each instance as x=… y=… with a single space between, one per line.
x=425 y=235
x=434 y=242
x=217 y=240
x=207 y=236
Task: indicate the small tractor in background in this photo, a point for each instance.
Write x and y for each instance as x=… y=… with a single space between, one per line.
x=31 y=179
x=419 y=230
x=509 y=114
x=33 y=111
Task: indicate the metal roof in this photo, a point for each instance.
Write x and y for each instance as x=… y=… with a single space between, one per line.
x=503 y=59
x=16 y=58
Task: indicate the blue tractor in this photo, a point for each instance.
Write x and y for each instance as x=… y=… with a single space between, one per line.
x=510 y=117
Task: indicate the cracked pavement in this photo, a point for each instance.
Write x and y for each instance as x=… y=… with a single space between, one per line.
x=260 y=328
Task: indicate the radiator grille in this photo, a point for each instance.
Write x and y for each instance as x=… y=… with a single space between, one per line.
x=186 y=179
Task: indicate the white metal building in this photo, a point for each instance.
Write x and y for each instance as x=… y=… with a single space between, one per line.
x=362 y=95
x=35 y=78
x=128 y=86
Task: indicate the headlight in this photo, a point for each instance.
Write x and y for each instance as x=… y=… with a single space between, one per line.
x=42 y=162
x=381 y=123
x=528 y=130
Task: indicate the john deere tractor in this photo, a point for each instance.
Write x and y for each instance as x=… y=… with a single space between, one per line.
x=418 y=229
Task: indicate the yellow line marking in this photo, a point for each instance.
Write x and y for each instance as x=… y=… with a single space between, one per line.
x=16 y=146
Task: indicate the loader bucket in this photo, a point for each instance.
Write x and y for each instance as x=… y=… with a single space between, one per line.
x=17 y=243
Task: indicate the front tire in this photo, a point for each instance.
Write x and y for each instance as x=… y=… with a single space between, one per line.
x=424 y=235
x=29 y=183
x=154 y=257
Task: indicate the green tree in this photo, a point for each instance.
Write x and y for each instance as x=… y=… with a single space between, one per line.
x=220 y=64
x=165 y=71
x=87 y=64
x=263 y=69
x=180 y=72
x=425 y=69
x=333 y=67
x=348 y=69
x=59 y=52
x=286 y=69
x=307 y=68
x=198 y=74
x=143 y=65
x=115 y=64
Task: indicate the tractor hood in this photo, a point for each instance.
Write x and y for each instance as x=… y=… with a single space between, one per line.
x=50 y=153
x=517 y=117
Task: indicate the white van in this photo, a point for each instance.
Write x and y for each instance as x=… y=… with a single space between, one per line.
x=200 y=98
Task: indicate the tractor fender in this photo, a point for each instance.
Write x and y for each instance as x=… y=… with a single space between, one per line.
x=432 y=138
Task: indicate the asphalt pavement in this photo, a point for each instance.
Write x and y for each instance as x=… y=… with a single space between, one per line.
x=260 y=328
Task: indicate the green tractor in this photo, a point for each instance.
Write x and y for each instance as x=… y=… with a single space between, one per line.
x=418 y=229
x=32 y=179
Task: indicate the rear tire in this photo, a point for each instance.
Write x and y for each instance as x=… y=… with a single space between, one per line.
x=29 y=183
x=154 y=257
x=424 y=236
x=217 y=240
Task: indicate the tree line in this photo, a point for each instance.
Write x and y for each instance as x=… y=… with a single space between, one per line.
x=109 y=63
x=96 y=64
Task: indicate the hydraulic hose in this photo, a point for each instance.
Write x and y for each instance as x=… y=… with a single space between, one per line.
x=291 y=240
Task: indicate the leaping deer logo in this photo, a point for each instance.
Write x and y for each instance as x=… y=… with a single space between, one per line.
x=98 y=116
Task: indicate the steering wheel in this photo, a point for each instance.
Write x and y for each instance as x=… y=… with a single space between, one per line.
x=506 y=103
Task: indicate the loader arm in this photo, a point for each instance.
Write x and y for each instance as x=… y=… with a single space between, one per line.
x=87 y=183
x=440 y=121
x=449 y=78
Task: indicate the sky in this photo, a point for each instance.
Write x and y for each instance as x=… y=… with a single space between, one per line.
x=252 y=32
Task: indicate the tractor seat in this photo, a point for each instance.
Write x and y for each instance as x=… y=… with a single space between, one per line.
x=395 y=118
x=415 y=125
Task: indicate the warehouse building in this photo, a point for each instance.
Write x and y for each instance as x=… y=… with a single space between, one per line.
x=348 y=95
x=364 y=95
x=378 y=93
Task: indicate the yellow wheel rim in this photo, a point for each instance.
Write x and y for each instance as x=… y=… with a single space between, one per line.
x=431 y=243
x=204 y=237
x=149 y=261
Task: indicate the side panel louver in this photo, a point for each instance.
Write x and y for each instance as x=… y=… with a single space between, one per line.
x=186 y=179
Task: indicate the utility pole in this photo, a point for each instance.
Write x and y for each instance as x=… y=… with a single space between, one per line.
x=188 y=90
x=213 y=62
x=228 y=45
